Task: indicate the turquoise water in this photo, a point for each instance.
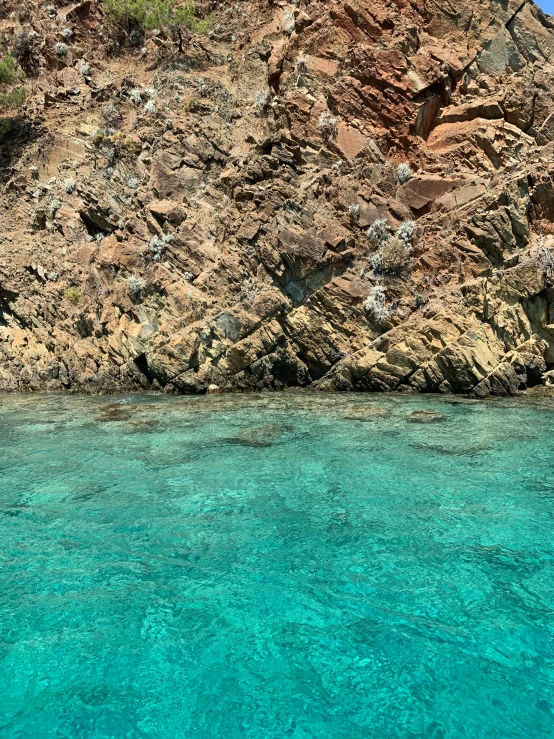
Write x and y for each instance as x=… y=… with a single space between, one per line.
x=271 y=566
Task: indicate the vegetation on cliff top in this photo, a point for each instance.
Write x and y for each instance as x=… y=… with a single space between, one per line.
x=133 y=15
x=12 y=93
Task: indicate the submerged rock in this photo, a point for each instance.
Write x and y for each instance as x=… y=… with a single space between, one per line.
x=451 y=452
x=365 y=413
x=425 y=416
x=258 y=436
x=115 y=412
x=145 y=425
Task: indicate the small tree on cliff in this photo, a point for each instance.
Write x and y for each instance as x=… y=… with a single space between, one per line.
x=162 y=14
x=12 y=94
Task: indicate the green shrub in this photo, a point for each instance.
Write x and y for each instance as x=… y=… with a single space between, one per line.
x=122 y=146
x=12 y=94
x=126 y=13
x=5 y=127
x=73 y=295
x=420 y=300
x=8 y=70
x=193 y=105
x=162 y=14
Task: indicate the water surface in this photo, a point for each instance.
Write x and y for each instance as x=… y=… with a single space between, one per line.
x=270 y=566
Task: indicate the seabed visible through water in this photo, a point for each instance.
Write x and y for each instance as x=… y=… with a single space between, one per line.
x=276 y=565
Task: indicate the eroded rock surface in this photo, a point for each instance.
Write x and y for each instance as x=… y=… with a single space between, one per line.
x=207 y=220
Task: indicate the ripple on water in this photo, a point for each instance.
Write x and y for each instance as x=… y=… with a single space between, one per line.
x=276 y=565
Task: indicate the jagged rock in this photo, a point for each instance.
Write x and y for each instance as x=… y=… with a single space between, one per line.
x=217 y=232
x=168 y=210
x=75 y=11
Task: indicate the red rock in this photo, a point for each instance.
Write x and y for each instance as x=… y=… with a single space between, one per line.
x=269 y=267
x=350 y=141
x=489 y=108
x=324 y=67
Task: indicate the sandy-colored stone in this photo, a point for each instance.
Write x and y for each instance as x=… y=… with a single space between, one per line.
x=196 y=222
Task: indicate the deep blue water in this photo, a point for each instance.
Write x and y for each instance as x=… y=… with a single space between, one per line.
x=268 y=567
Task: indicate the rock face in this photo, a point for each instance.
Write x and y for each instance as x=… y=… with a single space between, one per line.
x=343 y=194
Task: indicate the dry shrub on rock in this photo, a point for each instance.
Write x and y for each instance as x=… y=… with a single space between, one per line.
x=393 y=257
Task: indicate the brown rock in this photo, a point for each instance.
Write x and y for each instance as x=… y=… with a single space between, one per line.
x=324 y=67
x=248 y=230
x=218 y=235
x=419 y=192
x=350 y=141
x=168 y=210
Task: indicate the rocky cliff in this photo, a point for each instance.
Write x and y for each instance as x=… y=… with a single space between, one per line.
x=342 y=194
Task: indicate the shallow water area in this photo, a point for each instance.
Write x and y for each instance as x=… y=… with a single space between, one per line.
x=276 y=565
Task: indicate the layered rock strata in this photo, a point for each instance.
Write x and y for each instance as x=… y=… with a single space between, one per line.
x=227 y=217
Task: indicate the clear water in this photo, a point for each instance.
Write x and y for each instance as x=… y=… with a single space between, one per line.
x=266 y=567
